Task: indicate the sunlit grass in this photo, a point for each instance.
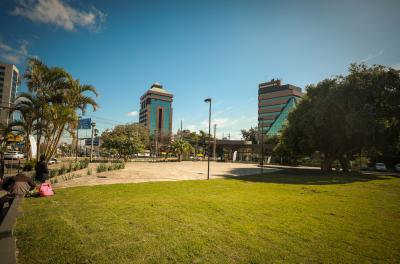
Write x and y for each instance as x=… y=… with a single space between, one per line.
x=277 y=218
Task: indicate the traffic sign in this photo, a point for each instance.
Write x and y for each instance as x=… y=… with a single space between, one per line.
x=84 y=123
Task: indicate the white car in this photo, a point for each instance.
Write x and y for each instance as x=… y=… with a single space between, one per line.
x=53 y=161
x=13 y=155
x=397 y=167
x=380 y=166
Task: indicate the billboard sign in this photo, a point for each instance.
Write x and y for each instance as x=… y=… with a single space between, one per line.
x=84 y=123
x=96 y=141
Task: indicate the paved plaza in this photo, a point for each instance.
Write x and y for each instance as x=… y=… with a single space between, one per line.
x=164 y=171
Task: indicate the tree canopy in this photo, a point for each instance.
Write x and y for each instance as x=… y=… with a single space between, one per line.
x=51 y=106
x=181 y=148
x=125 y=140
x=347 y=115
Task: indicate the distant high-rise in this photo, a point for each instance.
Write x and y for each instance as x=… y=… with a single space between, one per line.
x=9 y=75
x=156 y=112
x=274 y=104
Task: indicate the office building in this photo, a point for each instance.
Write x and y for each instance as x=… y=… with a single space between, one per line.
x=156 y=112
x=9 y=75
x=275 y=101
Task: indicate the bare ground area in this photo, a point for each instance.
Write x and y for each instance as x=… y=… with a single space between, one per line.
x=164 y=171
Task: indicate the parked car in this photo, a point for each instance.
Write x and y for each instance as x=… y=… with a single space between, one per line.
x=380 y=166
x=397 y=167
x=53 y=161
x=13 y=155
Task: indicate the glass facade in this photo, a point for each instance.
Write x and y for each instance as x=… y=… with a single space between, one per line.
x=156 y=111
x=275 y=103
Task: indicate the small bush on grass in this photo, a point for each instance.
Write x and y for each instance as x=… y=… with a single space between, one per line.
x=101 y=168
x=89 y=172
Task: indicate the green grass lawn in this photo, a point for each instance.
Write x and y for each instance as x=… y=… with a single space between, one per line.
x=293 y=217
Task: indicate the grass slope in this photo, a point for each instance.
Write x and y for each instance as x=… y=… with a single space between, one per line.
x=275 y=218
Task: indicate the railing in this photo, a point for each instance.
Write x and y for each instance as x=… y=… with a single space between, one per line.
x=7 y=241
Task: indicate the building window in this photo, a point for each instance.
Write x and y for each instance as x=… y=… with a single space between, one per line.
x=160 y=114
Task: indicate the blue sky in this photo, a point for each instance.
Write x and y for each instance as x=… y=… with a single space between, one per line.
x=198 y=49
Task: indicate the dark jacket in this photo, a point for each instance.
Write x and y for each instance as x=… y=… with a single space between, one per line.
x=18 y=185
x=42 y=172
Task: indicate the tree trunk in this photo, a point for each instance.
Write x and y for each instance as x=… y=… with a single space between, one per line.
x=2 y=165
x=326 y=164
x=344 y=162
x=53 y=148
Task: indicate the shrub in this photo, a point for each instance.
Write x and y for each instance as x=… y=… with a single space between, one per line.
x=29 y=165
x=53 y=173
x=101 y=168
x=62 y=170
x=84 y=163
x=69 y=167
x=89 y=172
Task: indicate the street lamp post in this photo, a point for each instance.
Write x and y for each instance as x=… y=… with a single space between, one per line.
x=262 y=145
x=93 y=124
x=208 y=100
x=77 y=137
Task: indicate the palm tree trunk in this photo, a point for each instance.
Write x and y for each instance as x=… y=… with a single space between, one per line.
x=54 y=147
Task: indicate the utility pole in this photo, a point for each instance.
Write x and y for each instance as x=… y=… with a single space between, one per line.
x=91 y=143
x=181 y=129
x=262 y=145
x=215 y=141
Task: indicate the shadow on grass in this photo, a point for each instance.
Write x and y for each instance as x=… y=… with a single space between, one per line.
x=302 y=176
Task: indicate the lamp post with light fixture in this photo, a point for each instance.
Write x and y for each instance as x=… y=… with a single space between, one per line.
x=208 y=100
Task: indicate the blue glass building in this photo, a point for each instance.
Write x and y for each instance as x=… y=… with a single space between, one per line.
x=156 y=112
x=275 y=101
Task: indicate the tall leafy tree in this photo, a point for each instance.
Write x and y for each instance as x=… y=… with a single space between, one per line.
x=343 y=116
x=181 y=148
x=125 y=140
x=250 y=135
x=55 y=98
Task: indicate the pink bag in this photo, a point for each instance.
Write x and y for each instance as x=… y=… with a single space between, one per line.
x=45 y=190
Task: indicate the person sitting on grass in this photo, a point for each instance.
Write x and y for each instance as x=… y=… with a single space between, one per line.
x=18 y=185
x=42 y=172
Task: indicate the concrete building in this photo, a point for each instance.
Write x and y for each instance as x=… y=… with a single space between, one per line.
x=9 y=75
x=275 y=101
x=156 y=112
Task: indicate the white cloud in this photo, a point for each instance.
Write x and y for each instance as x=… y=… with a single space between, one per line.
x=225 y=110
x=220 y=122
x=192 y=127
x=14 y=55
x=396 y=66
x=59 y=13
x=133 y=113
x=373 y=56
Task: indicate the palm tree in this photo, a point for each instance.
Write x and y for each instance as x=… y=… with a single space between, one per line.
x=180 y=147
x=26 y=105
x=45 y=84
x=73 y=98
x=3 y=140
x=58 y=97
